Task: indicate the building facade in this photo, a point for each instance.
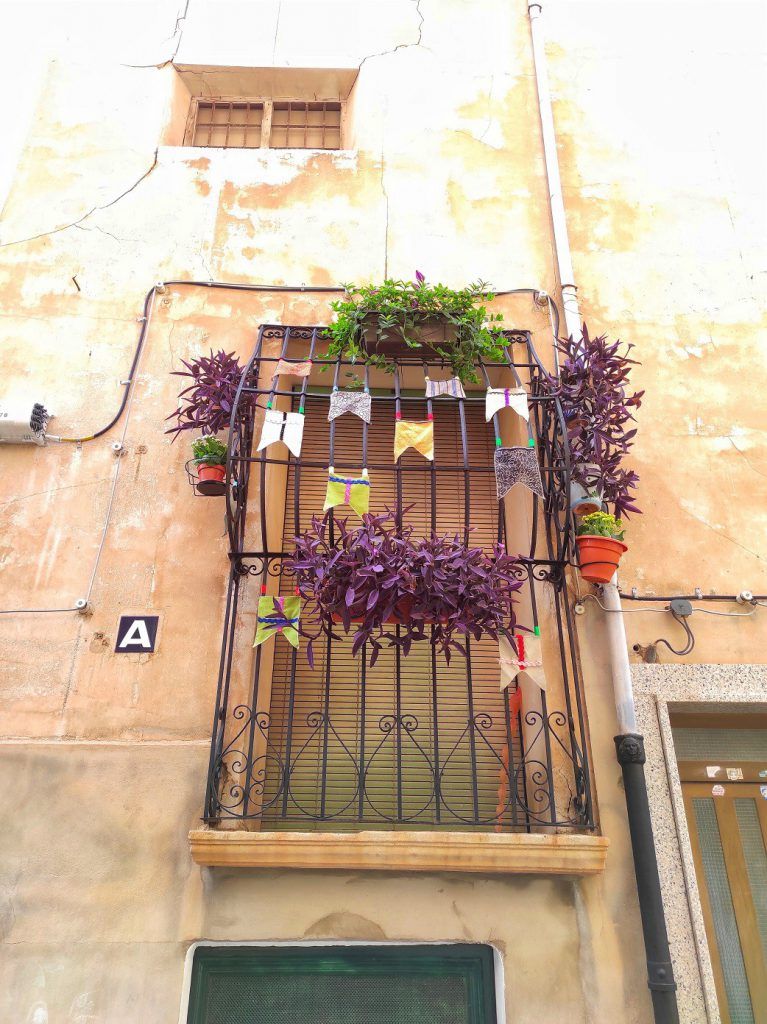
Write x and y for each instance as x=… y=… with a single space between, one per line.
x=203 y=830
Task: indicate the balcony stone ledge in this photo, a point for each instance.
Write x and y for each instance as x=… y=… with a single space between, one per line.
x=481 y=853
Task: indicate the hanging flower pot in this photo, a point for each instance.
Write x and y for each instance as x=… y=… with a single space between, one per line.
x=400 y=616
x=414 y=337
x=210 y=460
x=600 y=546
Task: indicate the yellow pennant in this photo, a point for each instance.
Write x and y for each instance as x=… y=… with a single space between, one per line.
x=413 y=434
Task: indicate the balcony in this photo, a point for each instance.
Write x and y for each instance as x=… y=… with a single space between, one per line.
x=412 y=763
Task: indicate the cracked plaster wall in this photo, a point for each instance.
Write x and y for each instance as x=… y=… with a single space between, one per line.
x=105 y=755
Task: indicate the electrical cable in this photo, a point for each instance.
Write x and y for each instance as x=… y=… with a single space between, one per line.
x=687 y=597
x=690 y=644
x=663 y=611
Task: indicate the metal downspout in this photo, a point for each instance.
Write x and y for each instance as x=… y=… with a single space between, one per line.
x=629 y=744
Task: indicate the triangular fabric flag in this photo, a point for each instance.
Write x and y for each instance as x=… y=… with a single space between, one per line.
x=282 y=426
x=517 y=466
x=358 y=402
x=526 y=660
x=278 y=615
x=288 y=369
x=414 y=434
x=452 y=387
x=506 y=398
x=348 y=490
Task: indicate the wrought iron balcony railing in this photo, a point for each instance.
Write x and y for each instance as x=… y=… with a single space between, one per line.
x=412 y=742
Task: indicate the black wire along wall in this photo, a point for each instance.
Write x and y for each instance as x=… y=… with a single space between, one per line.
x=412 y=742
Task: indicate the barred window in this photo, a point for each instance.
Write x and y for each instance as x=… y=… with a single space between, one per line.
x=241 y=123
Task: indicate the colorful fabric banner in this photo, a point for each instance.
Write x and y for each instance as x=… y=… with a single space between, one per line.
x=414 y=434
x=526 y=660
x=282 y=426
x=348 y=490
x=358 y=402
x=506 y=398
x=452 y=387
x=288 y=369
x=278 y=615
x=517 y=466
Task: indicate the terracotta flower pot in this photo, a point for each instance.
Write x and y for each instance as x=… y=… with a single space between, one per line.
x=400 y=615
x=598 y=557
x=430 y=331
x=210 y=479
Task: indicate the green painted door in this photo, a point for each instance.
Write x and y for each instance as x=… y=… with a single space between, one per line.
x=428 y=984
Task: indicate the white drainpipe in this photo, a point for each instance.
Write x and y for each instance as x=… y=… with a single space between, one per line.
x=629 y=745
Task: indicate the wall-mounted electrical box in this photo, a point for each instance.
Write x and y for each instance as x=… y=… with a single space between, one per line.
x=23 y=422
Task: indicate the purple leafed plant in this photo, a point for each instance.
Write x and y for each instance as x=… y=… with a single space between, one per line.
x=598 y=409
x=206 y=405
x=370 y=580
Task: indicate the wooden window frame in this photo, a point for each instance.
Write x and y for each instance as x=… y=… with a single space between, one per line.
x=266 y=121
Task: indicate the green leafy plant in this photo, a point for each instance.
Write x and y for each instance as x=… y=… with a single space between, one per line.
x=403 y=306
x=600 y=524
x=209 y=451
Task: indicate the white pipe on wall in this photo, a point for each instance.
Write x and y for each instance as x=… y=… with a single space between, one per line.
x=620 y=667
x=556 y=201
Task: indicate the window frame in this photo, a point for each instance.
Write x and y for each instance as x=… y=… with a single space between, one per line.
x=476 y=961
x=267 y=103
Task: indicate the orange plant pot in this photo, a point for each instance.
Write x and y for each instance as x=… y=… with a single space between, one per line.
x=210 y=480
x=400 y=615
x=598 y=557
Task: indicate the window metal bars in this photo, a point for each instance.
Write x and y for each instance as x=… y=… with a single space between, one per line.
x=249 y=124
x=545 y=784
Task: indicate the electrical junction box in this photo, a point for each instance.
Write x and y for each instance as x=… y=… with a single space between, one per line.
x=23 y=422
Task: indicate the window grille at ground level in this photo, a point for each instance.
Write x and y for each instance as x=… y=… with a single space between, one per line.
x=258 y=123
x=427 y=984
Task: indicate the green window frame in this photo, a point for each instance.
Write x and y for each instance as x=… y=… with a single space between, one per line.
x=470 y=965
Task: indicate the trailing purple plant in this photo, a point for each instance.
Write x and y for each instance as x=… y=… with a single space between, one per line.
x=383 y=586
x=206 y=404
x=593 y=387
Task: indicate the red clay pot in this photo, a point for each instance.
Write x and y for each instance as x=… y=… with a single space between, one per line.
x=598 y=557
x=210 y=479
x=401 y=613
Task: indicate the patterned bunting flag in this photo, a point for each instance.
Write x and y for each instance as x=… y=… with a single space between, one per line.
x=348 y=490
x=517 y=466
x=358 y=402
x=506 y=398
x=526 y=660
x=414 y=434
x=288 y=369
x=452 y=387
x=282 y=426
x=278 y=615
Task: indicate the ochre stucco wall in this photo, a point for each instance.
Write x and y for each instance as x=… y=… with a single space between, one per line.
x=103 y=756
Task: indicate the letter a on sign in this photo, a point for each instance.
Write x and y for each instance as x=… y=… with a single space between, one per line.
x=136 y=634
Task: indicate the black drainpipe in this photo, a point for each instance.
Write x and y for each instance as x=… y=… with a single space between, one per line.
x=660 y=973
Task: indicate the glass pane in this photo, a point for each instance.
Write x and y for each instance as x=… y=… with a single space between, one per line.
x=756 y=861
x=340 y=999
x=725 y=926
x=723 y=744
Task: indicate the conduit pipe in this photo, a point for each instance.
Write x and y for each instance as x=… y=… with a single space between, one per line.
x=629 y=744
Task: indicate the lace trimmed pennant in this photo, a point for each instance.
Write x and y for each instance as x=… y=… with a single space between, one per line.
x=282 y=426
x=358 y=402
x=288 y=369
x=506 y=398
x=278 y=615
x=517 y=466
x=348 y=490
x=452 y=387
x=414 y=434
x=526 y=660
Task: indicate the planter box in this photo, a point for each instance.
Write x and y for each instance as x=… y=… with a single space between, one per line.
x=430 y=333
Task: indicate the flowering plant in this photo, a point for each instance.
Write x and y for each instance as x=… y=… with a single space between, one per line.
x=383 y=585
x=593 y=389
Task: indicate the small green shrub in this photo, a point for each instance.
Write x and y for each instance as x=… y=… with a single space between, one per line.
x=209 y=451
x=600 y=524
x=402 y=305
